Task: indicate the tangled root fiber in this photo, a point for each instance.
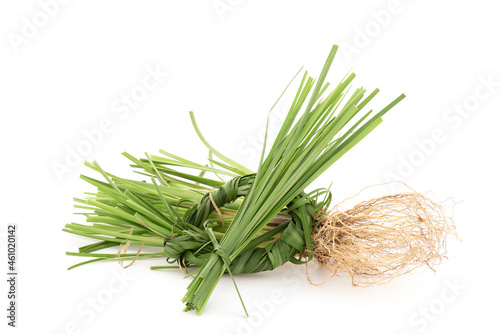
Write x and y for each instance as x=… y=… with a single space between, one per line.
x=383 y=238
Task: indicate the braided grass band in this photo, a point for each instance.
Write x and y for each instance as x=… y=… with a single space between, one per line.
x=266 y=252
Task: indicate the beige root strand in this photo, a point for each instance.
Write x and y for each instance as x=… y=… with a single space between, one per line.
x=383 y=238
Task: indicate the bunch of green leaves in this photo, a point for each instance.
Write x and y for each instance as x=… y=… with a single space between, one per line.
x=125 y=211
x=319 y=128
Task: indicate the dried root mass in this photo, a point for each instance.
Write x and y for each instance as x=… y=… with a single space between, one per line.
x=380 y=239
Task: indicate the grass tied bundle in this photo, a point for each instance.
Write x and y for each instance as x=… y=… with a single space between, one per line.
x=222 y=217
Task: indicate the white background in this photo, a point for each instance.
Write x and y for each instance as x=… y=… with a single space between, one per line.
x=69 y=73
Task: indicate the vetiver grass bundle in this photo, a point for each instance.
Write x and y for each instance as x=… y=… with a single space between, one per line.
x=258 y=221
